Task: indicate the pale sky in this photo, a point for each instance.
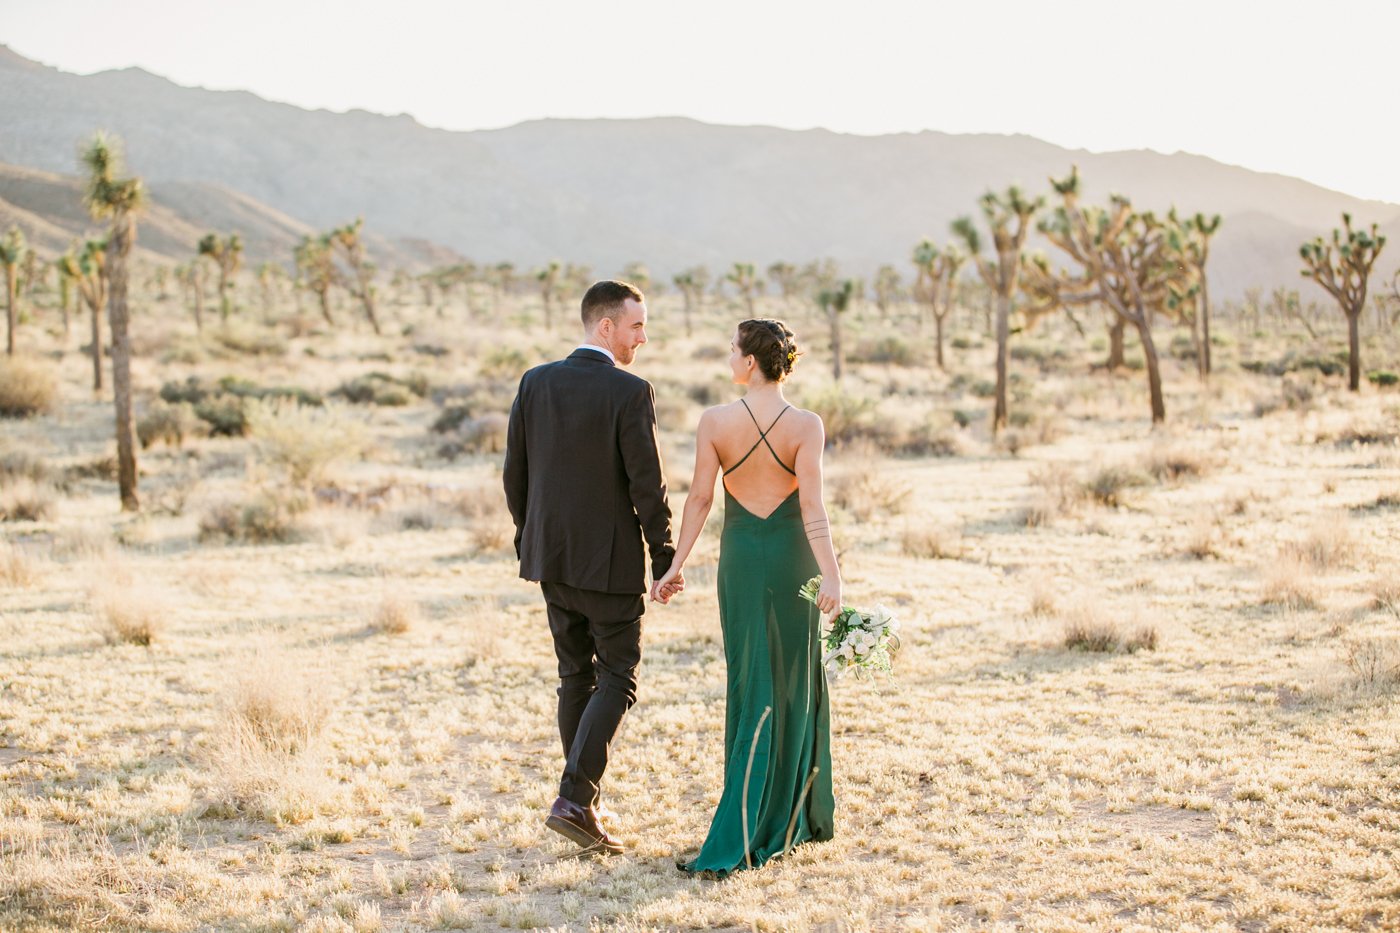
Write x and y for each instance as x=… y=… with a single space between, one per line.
x=1274 y=85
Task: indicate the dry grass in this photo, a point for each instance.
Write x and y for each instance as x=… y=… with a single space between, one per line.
x=1374 y=661
x=27 y=388
x=1328 y=544
x=1108 y=484
x=307 y=442
x=932 y=542
x=866 y=492
x=1172 y=461
x=125 y=613
x=1089 y=627
x=395 y=614
x=335 y=781
x=24 y=500
x=1385 y=594
x=1057 y=494
x=1289 y=583
x=17 y=569
x=1203 y=541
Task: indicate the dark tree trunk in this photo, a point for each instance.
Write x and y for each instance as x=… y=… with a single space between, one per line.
x=325 y=296
x=1354 y=344
x=835 y=317
x=999 y=415
x=123 y=233
x=1154 y=373
x=11 y=309
x=97 y=347
x=1205 y=327
x=938 y=339
x=1115 y=345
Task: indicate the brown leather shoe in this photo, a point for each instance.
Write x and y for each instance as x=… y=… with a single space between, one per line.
x=580 y=825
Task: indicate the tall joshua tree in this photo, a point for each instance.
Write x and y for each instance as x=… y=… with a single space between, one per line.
x=67 y=266
x=691 y=283
x=111 y=197
x=227 y=255
x=886 y=289
x=548 y=279
x=14 y=253
x=787 y=278
x=1008 y=216
x=1343 y=268
x=937 y=281
x=316 y=270
x=89 y=270
x=834 y=302
x=360 y=282
x=1189 y=242
x=744 y=277
x=1126 y=263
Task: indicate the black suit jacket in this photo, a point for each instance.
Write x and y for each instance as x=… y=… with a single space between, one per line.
x=583 y=476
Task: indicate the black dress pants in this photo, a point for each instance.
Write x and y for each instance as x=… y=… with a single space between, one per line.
x=598 y=641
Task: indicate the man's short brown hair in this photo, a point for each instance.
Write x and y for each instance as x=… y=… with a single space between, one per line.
x=605 y=299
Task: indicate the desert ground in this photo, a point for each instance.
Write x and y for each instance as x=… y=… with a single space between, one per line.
x=1148 y=678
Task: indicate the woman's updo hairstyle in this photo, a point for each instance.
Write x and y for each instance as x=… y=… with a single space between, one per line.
x=771 y=344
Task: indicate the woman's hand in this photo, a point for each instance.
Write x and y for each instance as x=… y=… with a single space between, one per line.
x=829 y=596
x=667 y=585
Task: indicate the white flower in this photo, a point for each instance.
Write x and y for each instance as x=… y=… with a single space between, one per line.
x=847 y=651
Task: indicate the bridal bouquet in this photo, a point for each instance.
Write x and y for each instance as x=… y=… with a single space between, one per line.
x=857 y=641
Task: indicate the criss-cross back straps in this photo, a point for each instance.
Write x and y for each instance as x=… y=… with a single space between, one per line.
x=762 y=439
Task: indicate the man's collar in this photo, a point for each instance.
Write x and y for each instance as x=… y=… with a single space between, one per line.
x=597 y=349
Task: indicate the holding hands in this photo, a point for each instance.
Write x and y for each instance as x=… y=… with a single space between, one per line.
x=667 y=585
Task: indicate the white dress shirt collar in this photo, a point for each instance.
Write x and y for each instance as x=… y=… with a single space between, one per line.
x=597 y=349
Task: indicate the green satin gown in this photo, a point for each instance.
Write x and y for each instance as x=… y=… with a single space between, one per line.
x=772 y=652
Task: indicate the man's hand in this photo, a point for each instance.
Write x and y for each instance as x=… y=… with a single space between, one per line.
x=667 y=585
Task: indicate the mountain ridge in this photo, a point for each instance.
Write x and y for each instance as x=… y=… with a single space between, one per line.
x=671 y=191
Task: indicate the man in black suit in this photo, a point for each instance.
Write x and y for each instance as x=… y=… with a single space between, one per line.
x=584 y=484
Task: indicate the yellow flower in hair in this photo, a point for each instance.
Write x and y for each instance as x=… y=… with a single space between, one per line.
x=792 y=355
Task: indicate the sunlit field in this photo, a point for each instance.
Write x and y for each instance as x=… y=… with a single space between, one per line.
x=1148 y=677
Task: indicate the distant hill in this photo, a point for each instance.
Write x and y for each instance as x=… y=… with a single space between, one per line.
x=668 y=191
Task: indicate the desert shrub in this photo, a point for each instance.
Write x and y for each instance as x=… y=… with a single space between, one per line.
x=451 y=418
x=1057 y=493
x=489 y=536
x=124 y=613
x=221 y=404
x=1383 y=378
x=394 y=614
x=1107 y=486
x=26 y=388
x=1332 y=363
x=963 y=343
x=307 y=442
x=504 y=364
x=249 y=339
x=1182 y=347
x=889 y=351
x=163 y=421
x=1089 y=628
x=1042 y=596
x=1362 y=433
x=1288 y=583
x=1203 y=541
x=16 y=569
x=867 y=493
x=983 y=388
x=100 y=468
x=21 y=464
x=1375 y=661
x=713 y=392
x=1169 y=462
x=1327 y=544
x=932 y=542
x=928 y=438
x=379 y=388
x=845 y=417
x=24 y=500
x=1385 y=594
x=266 y=518
x=486 y=434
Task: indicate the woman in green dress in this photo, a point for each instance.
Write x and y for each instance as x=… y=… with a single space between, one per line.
x=777 y=735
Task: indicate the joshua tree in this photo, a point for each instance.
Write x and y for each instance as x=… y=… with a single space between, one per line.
x=89 y=270
x=68 y=273
x=227 y=255
x=786 y=277
x=1343 y=269
x=548 y=277
x=1189 y=242
x=1008 y=216
x=638 y=274
x=886 y=289
x=834 y=302
x=360 y=281
x=691 y=283
x=744 y=277
x=110 y=196
x=268 y=275
x=937 y=281
x=14 y=253
x=316 y=270
x=1126 y=262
